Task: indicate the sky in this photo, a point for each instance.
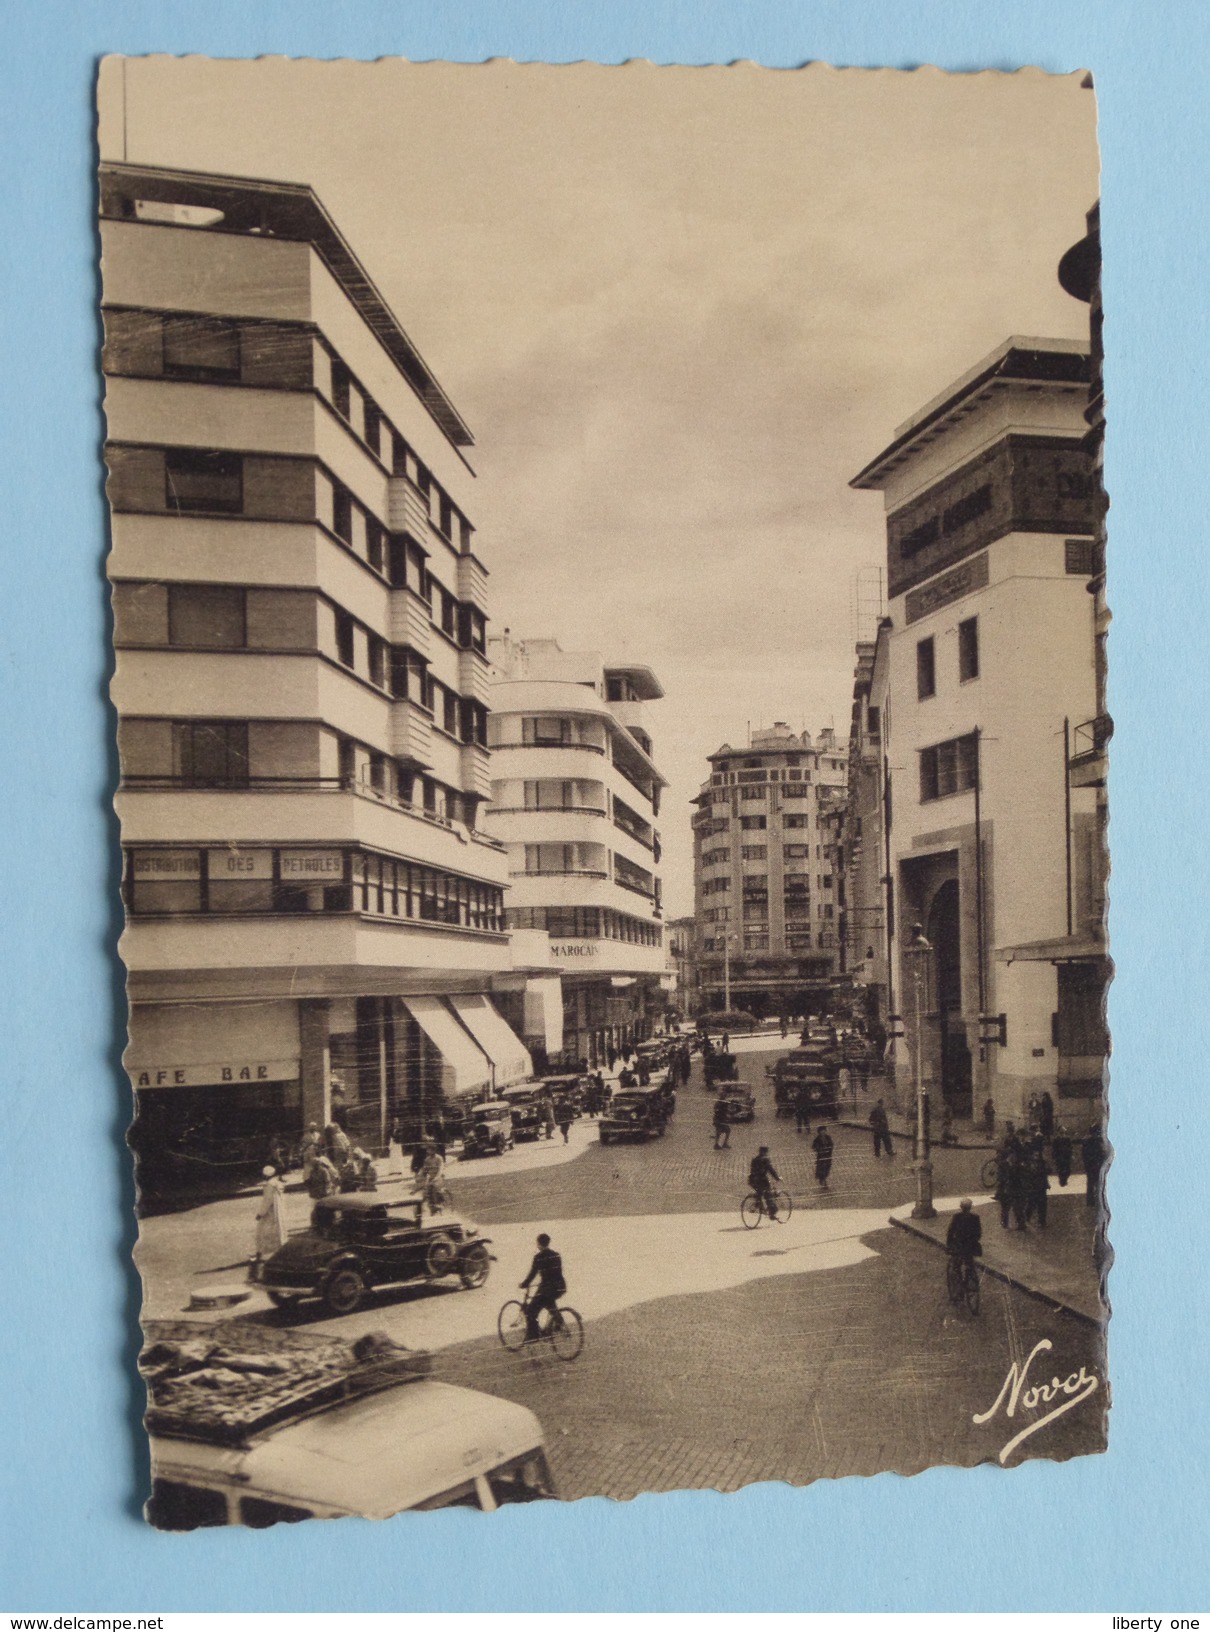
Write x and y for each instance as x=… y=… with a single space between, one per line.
x=679 y=308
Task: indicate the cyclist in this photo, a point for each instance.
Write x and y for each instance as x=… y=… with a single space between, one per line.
x=964 y=1240
x=760 y=1173
x=547 y=1267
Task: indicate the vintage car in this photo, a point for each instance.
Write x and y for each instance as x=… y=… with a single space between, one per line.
x=813 y=1068
x=634 y=1113
x=525 y=1103
x=488 y=1129
x=720 y=1068
x=739 y=1105
x=566 y=1090
x=359 y=1242
x=245 y=1431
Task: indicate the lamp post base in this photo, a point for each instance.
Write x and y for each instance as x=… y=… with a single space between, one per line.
x=924 y=1191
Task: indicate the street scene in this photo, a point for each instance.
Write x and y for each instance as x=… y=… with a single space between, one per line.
x=615 y=914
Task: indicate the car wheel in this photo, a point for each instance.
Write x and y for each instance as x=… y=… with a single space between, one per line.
x=343 y=1291
x=283 y=1300
x=439 y=1259
x=474 y=1265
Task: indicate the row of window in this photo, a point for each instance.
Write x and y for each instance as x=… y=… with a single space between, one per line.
x=968 y=658
x=203 y=481
x=742 y=778
x=221 y=351
x=723 y=796
x=215 y=754
x=255 y=880
x=584 y=923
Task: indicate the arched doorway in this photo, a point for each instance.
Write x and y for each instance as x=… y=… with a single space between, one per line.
x=945 y=932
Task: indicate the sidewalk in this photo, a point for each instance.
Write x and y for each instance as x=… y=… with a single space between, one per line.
x=1057 y=1265
x=855 y=1112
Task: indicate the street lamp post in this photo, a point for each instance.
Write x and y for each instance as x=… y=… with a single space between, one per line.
x=918 y=954
x=728 y=937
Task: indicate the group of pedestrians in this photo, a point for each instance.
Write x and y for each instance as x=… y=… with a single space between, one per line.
x=332 y=1163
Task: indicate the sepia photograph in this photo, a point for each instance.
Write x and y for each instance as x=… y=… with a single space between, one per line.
x=609 y=615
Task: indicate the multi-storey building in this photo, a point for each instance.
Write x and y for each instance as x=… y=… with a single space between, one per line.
x=986 y=698
x=861 y=854
x=314 y=914
x=682 y=955
x=575 y=795
x=764 y=888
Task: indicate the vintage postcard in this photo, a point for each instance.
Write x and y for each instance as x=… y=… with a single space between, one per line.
x=609 y=615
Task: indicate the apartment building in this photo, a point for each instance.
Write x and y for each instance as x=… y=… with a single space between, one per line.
x=314 y=912
x=765 y=894
x=982 y=703
x=575 y=796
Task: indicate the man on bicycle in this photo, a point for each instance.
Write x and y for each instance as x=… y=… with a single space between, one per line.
x=760 y=1174
x=547 y=1267
x=964 y=1240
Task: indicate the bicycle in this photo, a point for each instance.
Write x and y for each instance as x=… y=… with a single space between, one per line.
x=989 y=1173
x=962 y=1282
x=754 y=1207
x=563 y=1328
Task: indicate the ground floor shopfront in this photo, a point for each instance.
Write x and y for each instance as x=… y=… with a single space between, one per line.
x=225 y=1084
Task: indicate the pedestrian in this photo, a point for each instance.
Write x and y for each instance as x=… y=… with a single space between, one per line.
x=722 y=1124
x=1036 y=1186
x=1092 y=1148
x=989 y=1117
x=312 y=1144
x=271 y=1216
x=726 y=1042
x=324 y=1180
x=626 y=1078
x=1033 y=1110
x=563 y=1118
x=336 y=1145
x=822 y=1146
x=367 y=1173
x=881 y=1130
x=1006 y=1181
x=802 y=1108
x=784 y=1028
x=1046 y=1114
x=612 y=1059
x=548 y=1116
x=429 y=1180
x=1061 y=1153
x=338 y=1105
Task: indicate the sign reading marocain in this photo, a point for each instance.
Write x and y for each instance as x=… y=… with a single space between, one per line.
x=578 y=950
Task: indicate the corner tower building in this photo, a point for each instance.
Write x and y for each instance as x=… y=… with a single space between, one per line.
x=315 y=916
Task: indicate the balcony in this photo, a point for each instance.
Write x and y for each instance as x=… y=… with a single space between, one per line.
x=559 y=872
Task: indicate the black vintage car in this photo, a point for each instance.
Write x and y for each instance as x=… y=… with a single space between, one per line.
x=720 y=1068
x=739 y=1105
x=359 y=1242
x=634 y=1113
x=525 y=1102
x=813 y=1070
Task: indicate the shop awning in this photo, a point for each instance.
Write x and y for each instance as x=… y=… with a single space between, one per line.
x=466 y=1069
x=496 y=1038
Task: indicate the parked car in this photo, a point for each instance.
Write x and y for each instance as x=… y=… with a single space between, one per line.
x=634 y=1113
x=720 y=1068
x=359 y=1242
x=567 y=1089
x=525 y=1103
x=243 y=1431
x=488 y=1130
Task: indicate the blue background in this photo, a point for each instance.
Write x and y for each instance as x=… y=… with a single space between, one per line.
x=1125 y=1531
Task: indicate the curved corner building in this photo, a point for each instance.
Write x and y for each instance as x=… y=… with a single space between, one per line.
x=574 y=799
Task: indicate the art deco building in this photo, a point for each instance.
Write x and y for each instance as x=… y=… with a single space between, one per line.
x=575 y=798
x=764 y=891
x=983 y=704
x=315 y=914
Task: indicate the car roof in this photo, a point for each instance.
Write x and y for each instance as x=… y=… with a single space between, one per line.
x=492 y=1107
x=374 y=1456
x=363 y=1201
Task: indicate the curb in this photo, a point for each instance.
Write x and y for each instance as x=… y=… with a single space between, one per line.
x=1009 y=1279
x=908 y=1134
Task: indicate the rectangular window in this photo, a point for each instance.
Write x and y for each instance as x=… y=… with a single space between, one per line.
x=753 y=823
x=449 y=614
x=342 y=514
x=926 y=669
x=968 y=649
x=341 y=389
x=375 y=540
x=546 y=730
x=873 y=721
x=754 y=852
x=796 y=821
x=212 y=753
x=446 y=517
x=201 y=348
x=756 y=943
x=950 y=767
x=373 y=433
x=197 y=481
x=378 y=661
x=754 y=793
x=211 y=616
x=449 y=713
x=344 y=638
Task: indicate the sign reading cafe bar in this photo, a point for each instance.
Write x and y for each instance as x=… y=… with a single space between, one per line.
x=207 y=1076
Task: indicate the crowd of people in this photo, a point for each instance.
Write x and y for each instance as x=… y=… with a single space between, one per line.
x=1023 y=1171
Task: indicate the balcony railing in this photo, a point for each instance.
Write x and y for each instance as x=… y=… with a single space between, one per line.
x=544 y=810
x=299 y=785
x=632 y=831
x=1091 y=738
x=558 y=872
x=587 y=747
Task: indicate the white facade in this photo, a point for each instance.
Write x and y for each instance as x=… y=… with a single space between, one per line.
x=985 y=677
x=300 y=617
x=575 y=799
